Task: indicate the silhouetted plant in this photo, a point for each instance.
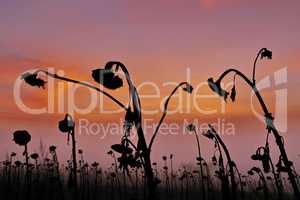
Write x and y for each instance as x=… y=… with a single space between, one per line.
x=22 y=138
x=192 y=128
x=56 y=172
x=67 y=125
x=33 y=80
x=262 y=184
x=216 y=87
x=130 y=157
x=108 y=78
x=134 y=118
x=209 y=180
x=166 y=174
x=263 y=53
x=263 y=154
x=11 y=160
x=81 y=171
x=172 y=174
x=187 y=181
x=17 y=176
x=116 y=148
x=95 y=166
x=35 y=157
x=219 y=144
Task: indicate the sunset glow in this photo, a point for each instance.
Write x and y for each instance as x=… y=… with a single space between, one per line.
x=162 y=43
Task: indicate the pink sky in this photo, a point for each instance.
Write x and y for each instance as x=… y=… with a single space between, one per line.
x=157 y=41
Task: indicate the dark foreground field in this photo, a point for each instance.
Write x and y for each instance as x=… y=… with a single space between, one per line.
x=50 y=180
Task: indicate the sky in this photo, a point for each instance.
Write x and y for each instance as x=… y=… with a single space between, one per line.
x=161 y=43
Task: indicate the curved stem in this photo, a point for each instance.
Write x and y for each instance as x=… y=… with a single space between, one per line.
x=247 y=80
x=142 y=145
x=224 y=179
x=254 y=65
x=55 y=76
x=270 y=127
x=164 y=113
x=230 y=162
x=128 y=79
x=134 y=98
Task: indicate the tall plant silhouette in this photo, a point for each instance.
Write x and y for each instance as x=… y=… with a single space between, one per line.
x=22 y=138
x=109 y=78
x=213 y=135
x=67 y=125
x=216 y=87
x=56 y=171
x=192 y=128
x=262 y=154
